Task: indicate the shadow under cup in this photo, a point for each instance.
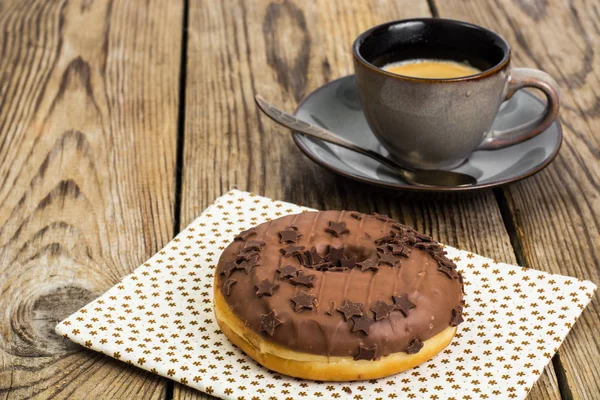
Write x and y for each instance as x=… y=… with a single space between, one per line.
x=431 y=123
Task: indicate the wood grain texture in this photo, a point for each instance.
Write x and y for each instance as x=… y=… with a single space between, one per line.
x=557 y=213
x=88 y=131
x=182 y=392
x=284 y=50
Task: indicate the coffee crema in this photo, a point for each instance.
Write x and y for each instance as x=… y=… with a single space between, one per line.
x=431 y=69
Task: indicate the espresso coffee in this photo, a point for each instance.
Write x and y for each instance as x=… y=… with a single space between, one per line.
x=431 y=69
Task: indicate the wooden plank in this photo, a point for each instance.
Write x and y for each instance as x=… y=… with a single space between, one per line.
x=283 y=50
x=181 y=392
x=557 y=213
x=88 y=132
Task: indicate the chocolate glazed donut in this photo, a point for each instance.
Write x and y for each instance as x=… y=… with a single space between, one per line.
x=337 y=295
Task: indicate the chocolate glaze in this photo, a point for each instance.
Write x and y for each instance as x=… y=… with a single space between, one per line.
x=317 y=331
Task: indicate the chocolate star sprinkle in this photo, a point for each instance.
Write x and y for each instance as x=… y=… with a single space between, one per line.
x=302 y=279
x=253 y=245
x=403 y=304
x=441 y=258
x=399 y=250
x=350 y=309
x=356 y=215
x=268 y=323
x=388 y=258
x=436 y=249
x=384 y=249
x=366 y=353
x=362 y=324
x=382 y=310
x=331 y=308
x=246 y=256
x=291 y=250
x=337 y=228
x=289 y=236
x=422 y=237
x=244 y=235
x=304 y=260
x=441 y=254
x=335 y=255
x=228 y=268
x=368 y=264
x=414 y=347
x=348 y=262
x=409 y=238
x=287 y=272
x=265 y=288
x=226 y=289
x=304 y=300
x=385 y=239
x=381 y=217
x=457 y=317
x=428 y=246
x=324 y=266
x=446 y=270
x=314 y=257
x=247 y=265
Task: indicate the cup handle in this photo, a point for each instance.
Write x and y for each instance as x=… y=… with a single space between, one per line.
x=520 y=78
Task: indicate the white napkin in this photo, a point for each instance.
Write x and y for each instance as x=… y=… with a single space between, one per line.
x=160 y=318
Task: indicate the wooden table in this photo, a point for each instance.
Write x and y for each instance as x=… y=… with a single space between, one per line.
x=121 y=121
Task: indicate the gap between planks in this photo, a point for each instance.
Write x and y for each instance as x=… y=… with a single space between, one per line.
x=170 y=385
x=181 y=119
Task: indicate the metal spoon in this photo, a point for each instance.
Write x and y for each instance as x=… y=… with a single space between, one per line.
x=429 y=178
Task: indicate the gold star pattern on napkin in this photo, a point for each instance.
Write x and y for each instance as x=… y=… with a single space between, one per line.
x=160 y=318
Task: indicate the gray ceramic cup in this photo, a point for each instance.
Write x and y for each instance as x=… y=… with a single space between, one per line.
x=438 y=123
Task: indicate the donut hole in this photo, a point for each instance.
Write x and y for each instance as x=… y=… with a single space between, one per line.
x=361 y=253
x=351 y=250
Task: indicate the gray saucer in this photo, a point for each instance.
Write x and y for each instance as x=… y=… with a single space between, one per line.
x=336 y=106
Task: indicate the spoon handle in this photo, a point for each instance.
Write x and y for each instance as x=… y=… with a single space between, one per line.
x=426 y=178
x=316 y=132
